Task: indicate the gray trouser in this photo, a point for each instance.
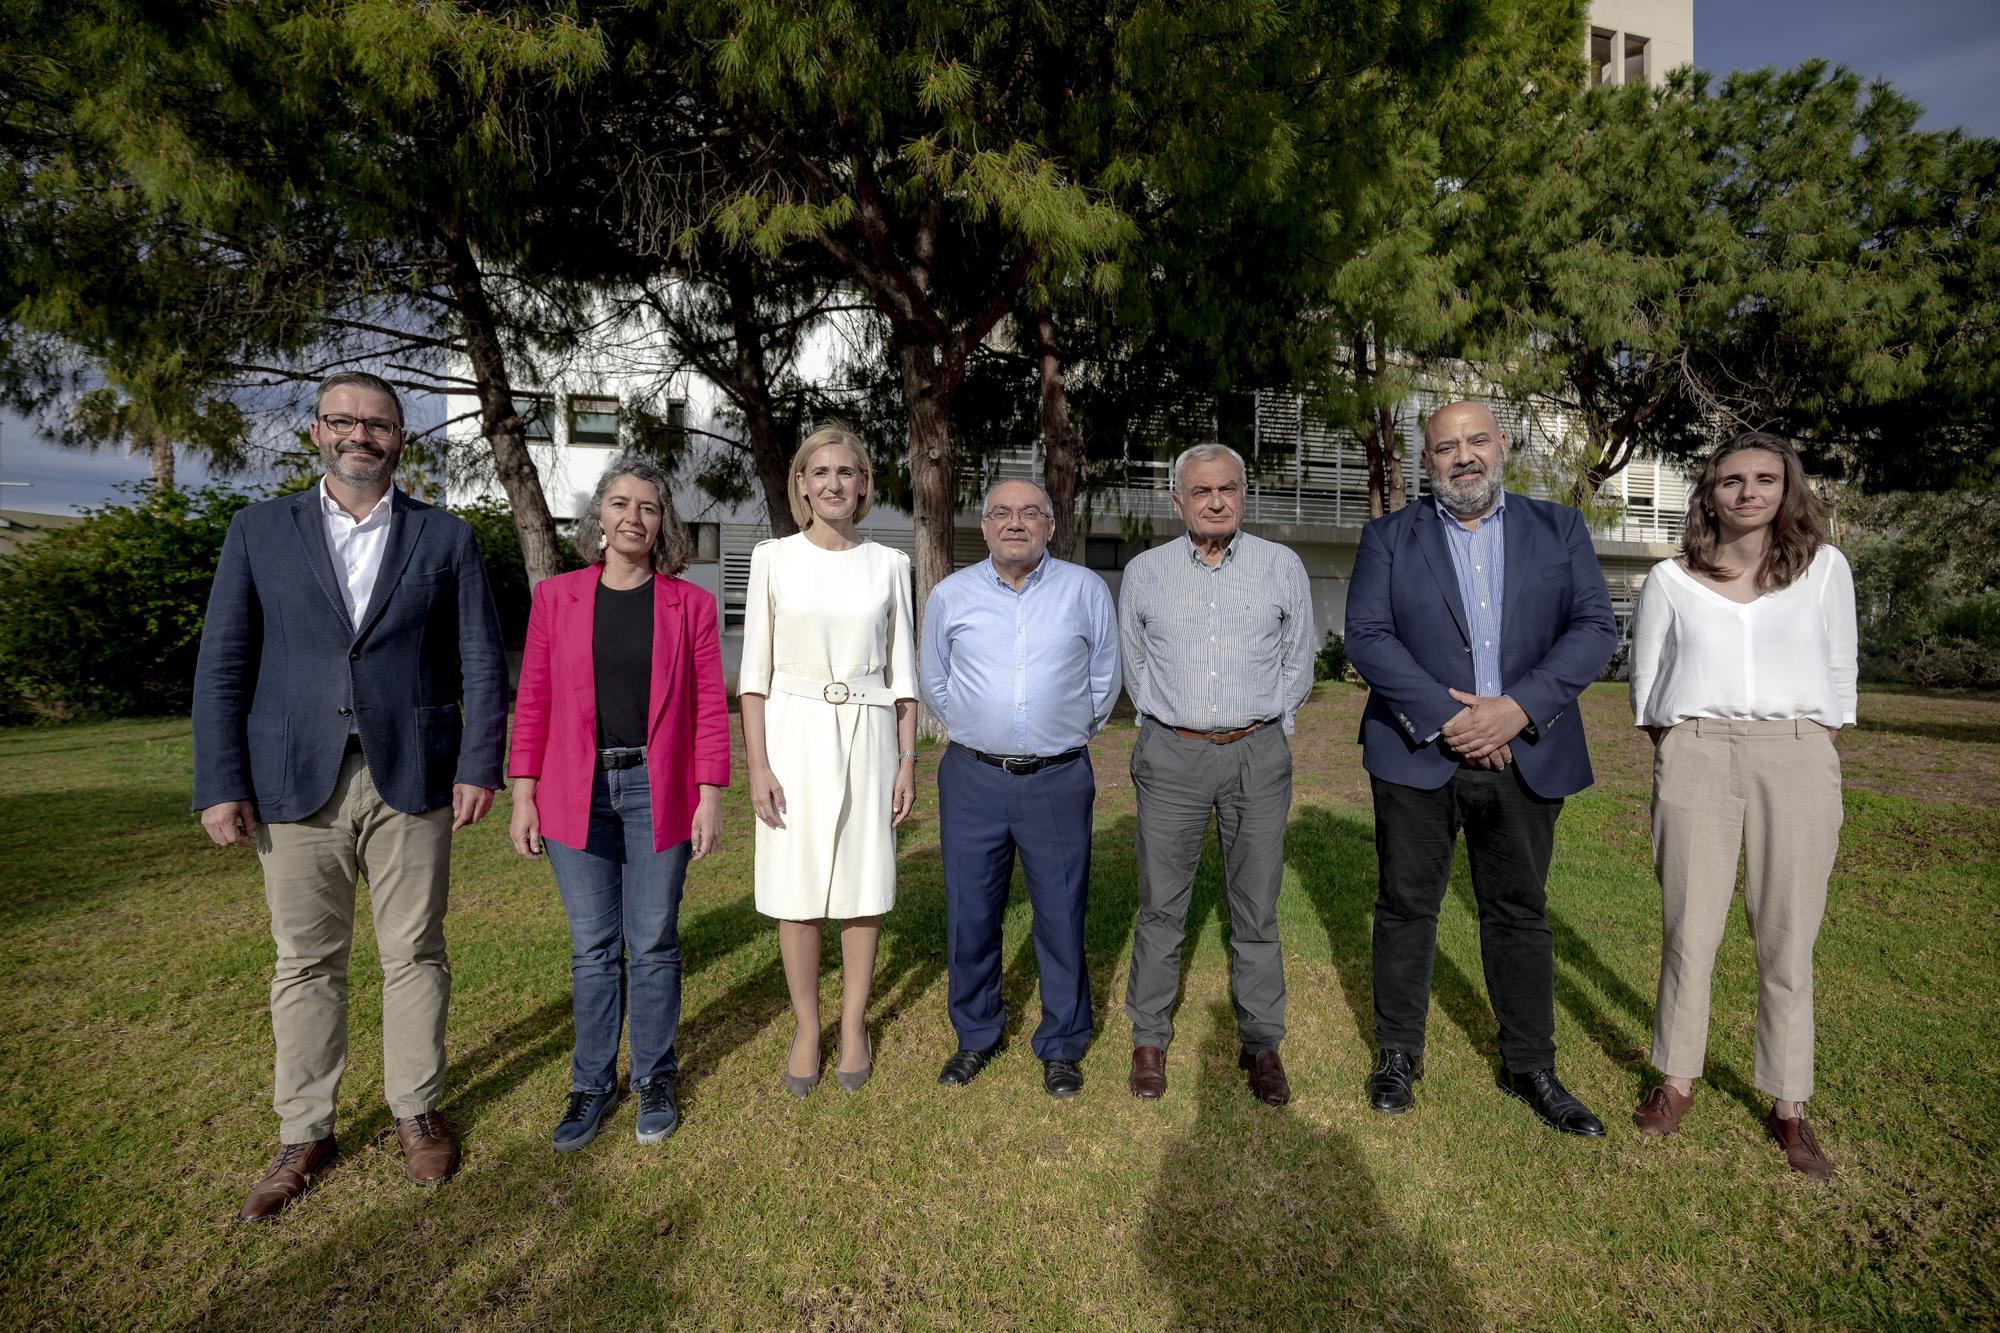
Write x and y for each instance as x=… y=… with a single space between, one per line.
x=1248 y=786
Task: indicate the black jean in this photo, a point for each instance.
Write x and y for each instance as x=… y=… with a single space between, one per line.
x=1509 y=835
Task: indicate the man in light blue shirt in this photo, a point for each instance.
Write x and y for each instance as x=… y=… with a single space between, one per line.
x=1020 y=662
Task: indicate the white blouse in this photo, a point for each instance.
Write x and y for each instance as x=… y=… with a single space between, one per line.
x=1789 y=654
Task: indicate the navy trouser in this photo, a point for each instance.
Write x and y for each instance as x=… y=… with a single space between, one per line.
x=622 y=897
x=985 y=816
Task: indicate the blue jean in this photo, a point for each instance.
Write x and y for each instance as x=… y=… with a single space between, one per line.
x=622 y=897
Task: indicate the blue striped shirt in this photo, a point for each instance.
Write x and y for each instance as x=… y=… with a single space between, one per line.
x=1480 y=557
x=1033 y=672
x=1213 y=648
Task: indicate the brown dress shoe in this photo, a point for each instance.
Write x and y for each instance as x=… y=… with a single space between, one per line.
x=1267 y=1077
x=429 y=1152
x=291 y=1172
x=1801 y=1148
x=1149 y=1073
x=1662 y=1110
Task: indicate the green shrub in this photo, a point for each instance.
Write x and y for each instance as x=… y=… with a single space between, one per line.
x=103 y=619
x=492 y=524
x=1330 y=663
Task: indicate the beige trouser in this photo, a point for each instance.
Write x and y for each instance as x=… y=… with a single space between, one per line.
x=309 y=879
x=1773 y=789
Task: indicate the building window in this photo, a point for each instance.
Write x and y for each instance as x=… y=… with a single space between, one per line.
x=1635 y=59
x=537 y=413
x=593 y=420
x=1602 y=71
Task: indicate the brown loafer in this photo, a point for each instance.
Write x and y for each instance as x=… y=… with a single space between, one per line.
x=291 y=1173
x=1267 y=1077
x=1149 y=1073
x=1662 y=1110
x=1801 y=1148
x=429 y=1152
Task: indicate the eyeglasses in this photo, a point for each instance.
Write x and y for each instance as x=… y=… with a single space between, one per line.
x=379 y=429
x=1027 y=513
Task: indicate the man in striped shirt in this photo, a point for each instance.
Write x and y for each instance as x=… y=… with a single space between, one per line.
x=1217 y=638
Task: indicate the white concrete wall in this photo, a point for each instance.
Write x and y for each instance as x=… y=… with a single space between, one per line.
x=1667 y=26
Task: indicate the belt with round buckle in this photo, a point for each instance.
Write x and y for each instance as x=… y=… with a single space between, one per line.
x=831 y=697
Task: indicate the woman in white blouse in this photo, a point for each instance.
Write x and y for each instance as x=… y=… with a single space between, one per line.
x=1743 y=667
x=828 y=685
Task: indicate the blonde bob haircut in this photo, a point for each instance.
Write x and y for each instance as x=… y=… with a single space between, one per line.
x=802 y=513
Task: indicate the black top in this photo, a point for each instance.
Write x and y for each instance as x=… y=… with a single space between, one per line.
x=621 y=653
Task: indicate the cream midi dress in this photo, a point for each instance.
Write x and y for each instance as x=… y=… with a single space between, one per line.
x=826 y=615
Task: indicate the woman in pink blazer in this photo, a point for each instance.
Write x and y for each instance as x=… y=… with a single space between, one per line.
x=619 y=758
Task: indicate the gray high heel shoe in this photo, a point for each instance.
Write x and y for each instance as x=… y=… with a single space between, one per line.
x=851 y=1083
x=799 y=1087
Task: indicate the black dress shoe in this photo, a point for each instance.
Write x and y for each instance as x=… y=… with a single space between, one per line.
x=1061 y=1078
x=1544 y=1092
x=1392 y=1087
x=964 y=1066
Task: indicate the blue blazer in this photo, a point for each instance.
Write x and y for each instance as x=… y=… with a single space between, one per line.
x=1407 y=636
x=281 y=669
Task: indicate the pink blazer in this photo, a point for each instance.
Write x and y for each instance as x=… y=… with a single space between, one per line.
x=555 y=709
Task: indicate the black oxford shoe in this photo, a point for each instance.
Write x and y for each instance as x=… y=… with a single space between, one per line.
x=964 y=1066
x=1392 y=1087
x=1061 y=1078
x=1545 y=1094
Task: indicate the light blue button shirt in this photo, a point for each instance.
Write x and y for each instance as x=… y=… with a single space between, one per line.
x=1033 y=672
x=1480 y=557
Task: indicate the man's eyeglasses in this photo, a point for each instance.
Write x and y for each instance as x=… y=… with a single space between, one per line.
x=1027 y=513
x=379 y=429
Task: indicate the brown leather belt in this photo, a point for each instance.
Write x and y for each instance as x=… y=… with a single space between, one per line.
x=1225 y=737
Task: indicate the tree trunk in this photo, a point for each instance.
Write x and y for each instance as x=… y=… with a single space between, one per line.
x=933 y=479
x=1397 y=494
x=1061 y=447
x=160 y=453
x=1372 y=440
x=501 y=424
x=770 y=450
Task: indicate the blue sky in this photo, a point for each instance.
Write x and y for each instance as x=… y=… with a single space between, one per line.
x=1943 y=53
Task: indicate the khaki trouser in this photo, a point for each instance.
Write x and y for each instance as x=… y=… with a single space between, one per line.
x=1771 y=789
x=309 y=881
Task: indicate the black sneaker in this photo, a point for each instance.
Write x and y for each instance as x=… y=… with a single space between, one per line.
x=659 y=1111
x=582 y=1117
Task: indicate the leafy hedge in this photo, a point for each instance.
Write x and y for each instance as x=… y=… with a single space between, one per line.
x=103 y=618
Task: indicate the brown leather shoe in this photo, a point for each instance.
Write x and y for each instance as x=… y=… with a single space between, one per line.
x=1662 y=1110
x=292 y=1171
x=1149 y=1073
x=429 y=1152
x=1267 y=1077
x=1801 y=1148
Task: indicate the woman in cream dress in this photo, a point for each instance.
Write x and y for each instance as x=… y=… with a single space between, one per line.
x=828 y=684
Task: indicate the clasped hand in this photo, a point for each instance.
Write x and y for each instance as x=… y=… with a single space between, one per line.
x=1482 y=730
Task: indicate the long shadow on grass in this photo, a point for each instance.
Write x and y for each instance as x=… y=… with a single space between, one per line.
x=512 y=1236
x=1261 y=1217
x=1970 y=733
x=1333 y=854
x=1626 y=1044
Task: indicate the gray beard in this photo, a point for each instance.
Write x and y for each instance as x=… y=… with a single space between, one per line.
x=1469 y=497
x=355 y=471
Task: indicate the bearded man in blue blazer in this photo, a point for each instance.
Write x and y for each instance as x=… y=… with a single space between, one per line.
x=350 y=704
x=1477 y=617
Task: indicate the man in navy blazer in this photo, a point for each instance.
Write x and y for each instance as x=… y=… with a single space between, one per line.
x=1477 y=617
x=350 y=705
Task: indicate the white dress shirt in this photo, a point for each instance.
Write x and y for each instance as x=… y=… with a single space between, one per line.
x=1790 y=654
x=357 y=548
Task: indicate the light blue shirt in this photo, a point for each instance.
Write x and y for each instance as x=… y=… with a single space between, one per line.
x=1480 y=557
x=1033 y=672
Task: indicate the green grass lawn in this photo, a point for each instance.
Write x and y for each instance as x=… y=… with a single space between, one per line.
x=135 y=1072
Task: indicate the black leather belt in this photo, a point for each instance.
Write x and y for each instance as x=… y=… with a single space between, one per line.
x=620 y=758
x=1019 y=763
